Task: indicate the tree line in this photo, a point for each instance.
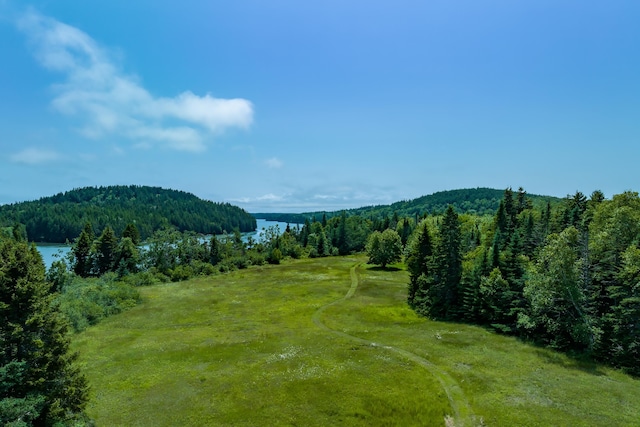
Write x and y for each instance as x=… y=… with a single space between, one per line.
x=566 y=277
x=60 y=218
x=476 y=201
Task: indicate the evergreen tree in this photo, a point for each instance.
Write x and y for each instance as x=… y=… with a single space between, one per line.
x=342 y=243
x=106 y=251
x=623 y=320
x=128 y=257
x=471 y=298
x=404 y=229
x=510 y=210
x=82 y=252
x=419 y=260
x=215 y=255
x=495 y=300
x=522 y=201
x=448 y=259
x=131 y=231
x=39 y=382
x=19 y=232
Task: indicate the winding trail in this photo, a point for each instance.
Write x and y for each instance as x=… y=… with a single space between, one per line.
x=462 y=413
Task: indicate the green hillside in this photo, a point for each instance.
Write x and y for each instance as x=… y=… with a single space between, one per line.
x=61 y=217
x=480 y=201
x=330 y=341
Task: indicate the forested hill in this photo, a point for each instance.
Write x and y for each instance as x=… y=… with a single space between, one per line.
x=61 y=217
x=479 y=201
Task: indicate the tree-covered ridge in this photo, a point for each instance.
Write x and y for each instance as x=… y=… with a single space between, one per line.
x=61 y=217
x=478 y=201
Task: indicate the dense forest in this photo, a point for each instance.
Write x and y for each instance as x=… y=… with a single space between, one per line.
x=477 y=201
x=59 y=218
x=568 y=278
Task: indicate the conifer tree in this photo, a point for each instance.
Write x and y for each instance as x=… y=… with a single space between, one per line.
x=128 y=257
x=623 y=319
x=131 y=231
x=343 y=244
x=82 y=252
x=39 y=381
x=106 y=251
x=215 y=255
x=448 y=259
x=419 y=260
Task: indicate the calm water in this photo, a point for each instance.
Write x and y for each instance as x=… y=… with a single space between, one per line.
x=51 y=253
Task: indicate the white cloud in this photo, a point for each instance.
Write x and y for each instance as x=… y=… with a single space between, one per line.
x=274 y=163
x=110 y=102
x=34 y=156
x=309 y=199
x=270 y=198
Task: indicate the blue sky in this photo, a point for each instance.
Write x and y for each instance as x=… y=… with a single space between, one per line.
x=289 y=106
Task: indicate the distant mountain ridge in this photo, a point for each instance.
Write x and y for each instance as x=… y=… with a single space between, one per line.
x=61 y=217
x=480 y=201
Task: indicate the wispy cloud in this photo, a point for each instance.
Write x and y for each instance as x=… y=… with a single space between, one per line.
x=111 y=102
x=274 y=163
x=315 y=199
x=264 y=198
x=34 y=156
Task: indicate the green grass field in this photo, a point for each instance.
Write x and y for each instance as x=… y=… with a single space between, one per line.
x=323 y=342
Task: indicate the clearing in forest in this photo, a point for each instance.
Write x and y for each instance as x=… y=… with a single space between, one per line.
x=328 y=341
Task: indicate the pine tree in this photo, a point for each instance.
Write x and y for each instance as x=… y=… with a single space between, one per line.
x=471 y=298
x=82 y=252
x=39 y=382
x=215 y=255
x=128 y=257
x=448 y=259
x=419 y=260
x=131 y=231
x=623 y=320
x=342 y=243
x=106 y=251
x=510 y=210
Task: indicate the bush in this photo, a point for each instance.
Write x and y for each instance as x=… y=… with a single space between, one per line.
x=203 y=268
x=275 y=256
x=181 y=272
x=256 y=258
x=87 y=301
x=143 y=278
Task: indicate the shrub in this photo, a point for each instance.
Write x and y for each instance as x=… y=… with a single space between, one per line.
x=201 y=268
x=181 y=272
x=87 y=301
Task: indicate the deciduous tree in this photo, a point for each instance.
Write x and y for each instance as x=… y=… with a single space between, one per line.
x=384 y=248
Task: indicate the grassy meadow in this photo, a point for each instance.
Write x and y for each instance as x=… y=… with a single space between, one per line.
x=328 y=341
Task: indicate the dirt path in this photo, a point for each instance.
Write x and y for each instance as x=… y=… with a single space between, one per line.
x=462 y=412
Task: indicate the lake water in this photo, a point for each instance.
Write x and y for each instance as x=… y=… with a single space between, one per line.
x=52 y=252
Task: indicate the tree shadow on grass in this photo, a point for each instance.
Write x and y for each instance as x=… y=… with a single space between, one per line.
x=569 y=360
x=566 y=360
x=387 y=268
